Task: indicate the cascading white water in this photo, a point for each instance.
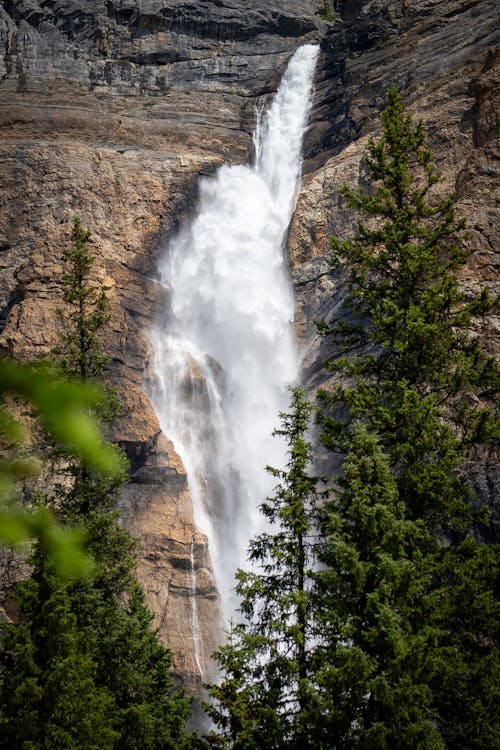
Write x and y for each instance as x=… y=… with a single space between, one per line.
x=225 y=351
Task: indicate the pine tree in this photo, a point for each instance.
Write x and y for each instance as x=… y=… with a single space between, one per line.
x=422 y=384
x=378 y=642
x=265 y=698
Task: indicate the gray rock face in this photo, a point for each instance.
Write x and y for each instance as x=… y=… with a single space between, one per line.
x=151 y=46
x=113 y=109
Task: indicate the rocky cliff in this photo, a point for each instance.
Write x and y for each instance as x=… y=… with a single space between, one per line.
x=113 y=109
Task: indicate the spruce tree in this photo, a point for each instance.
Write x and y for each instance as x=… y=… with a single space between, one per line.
x=378 y=640
x=133 y=666
x=420 y=372
x=265 y=697
x=465 y=676
x=121 y=657
x=49 y=696
x=86 y=311
x=416 y=376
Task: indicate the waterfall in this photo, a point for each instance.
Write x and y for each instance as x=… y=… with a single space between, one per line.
x=225 y=350
x=195 y=626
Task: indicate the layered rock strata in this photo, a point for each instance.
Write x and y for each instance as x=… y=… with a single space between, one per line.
x=112 y=110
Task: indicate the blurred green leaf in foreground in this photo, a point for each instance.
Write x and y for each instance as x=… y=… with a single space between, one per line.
x=63 y=408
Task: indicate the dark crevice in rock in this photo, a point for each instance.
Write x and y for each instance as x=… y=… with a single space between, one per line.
x=207 y=22
x=16 y=296
x=357 y=33
x=461 y=9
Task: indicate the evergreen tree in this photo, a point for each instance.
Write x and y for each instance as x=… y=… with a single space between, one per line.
x=265 y=698
x=419 y=362
x=371 y=593
x=86 y=312
x=421 y=383
x=109 y=626
x=465 y=675
x=135 y=668
x=48 y=693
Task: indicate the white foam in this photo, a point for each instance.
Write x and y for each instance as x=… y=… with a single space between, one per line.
x=225 y=351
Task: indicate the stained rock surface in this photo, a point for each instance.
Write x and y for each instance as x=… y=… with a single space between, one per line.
x=113 y=110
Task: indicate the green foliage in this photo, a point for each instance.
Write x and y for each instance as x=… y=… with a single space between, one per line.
x=62 y=408
x=81 y=355
x=86 y=313
x=66 y=544
x=420 y=363
x=109 y=666
x=265 y=699
x=148 y=712
x=381 y=633
x=465 y=678
x=133 y=666
x=48 y=695
x=243 y=708
x=371 y=601
x=326 y=12
x=92 y=675
x=407 y=651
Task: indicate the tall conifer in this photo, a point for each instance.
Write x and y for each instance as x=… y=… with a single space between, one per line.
x=265 y=698
x=86 y=311
x=420 y=371
x=423 y=385
x=49 y=696
x=378 y=639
